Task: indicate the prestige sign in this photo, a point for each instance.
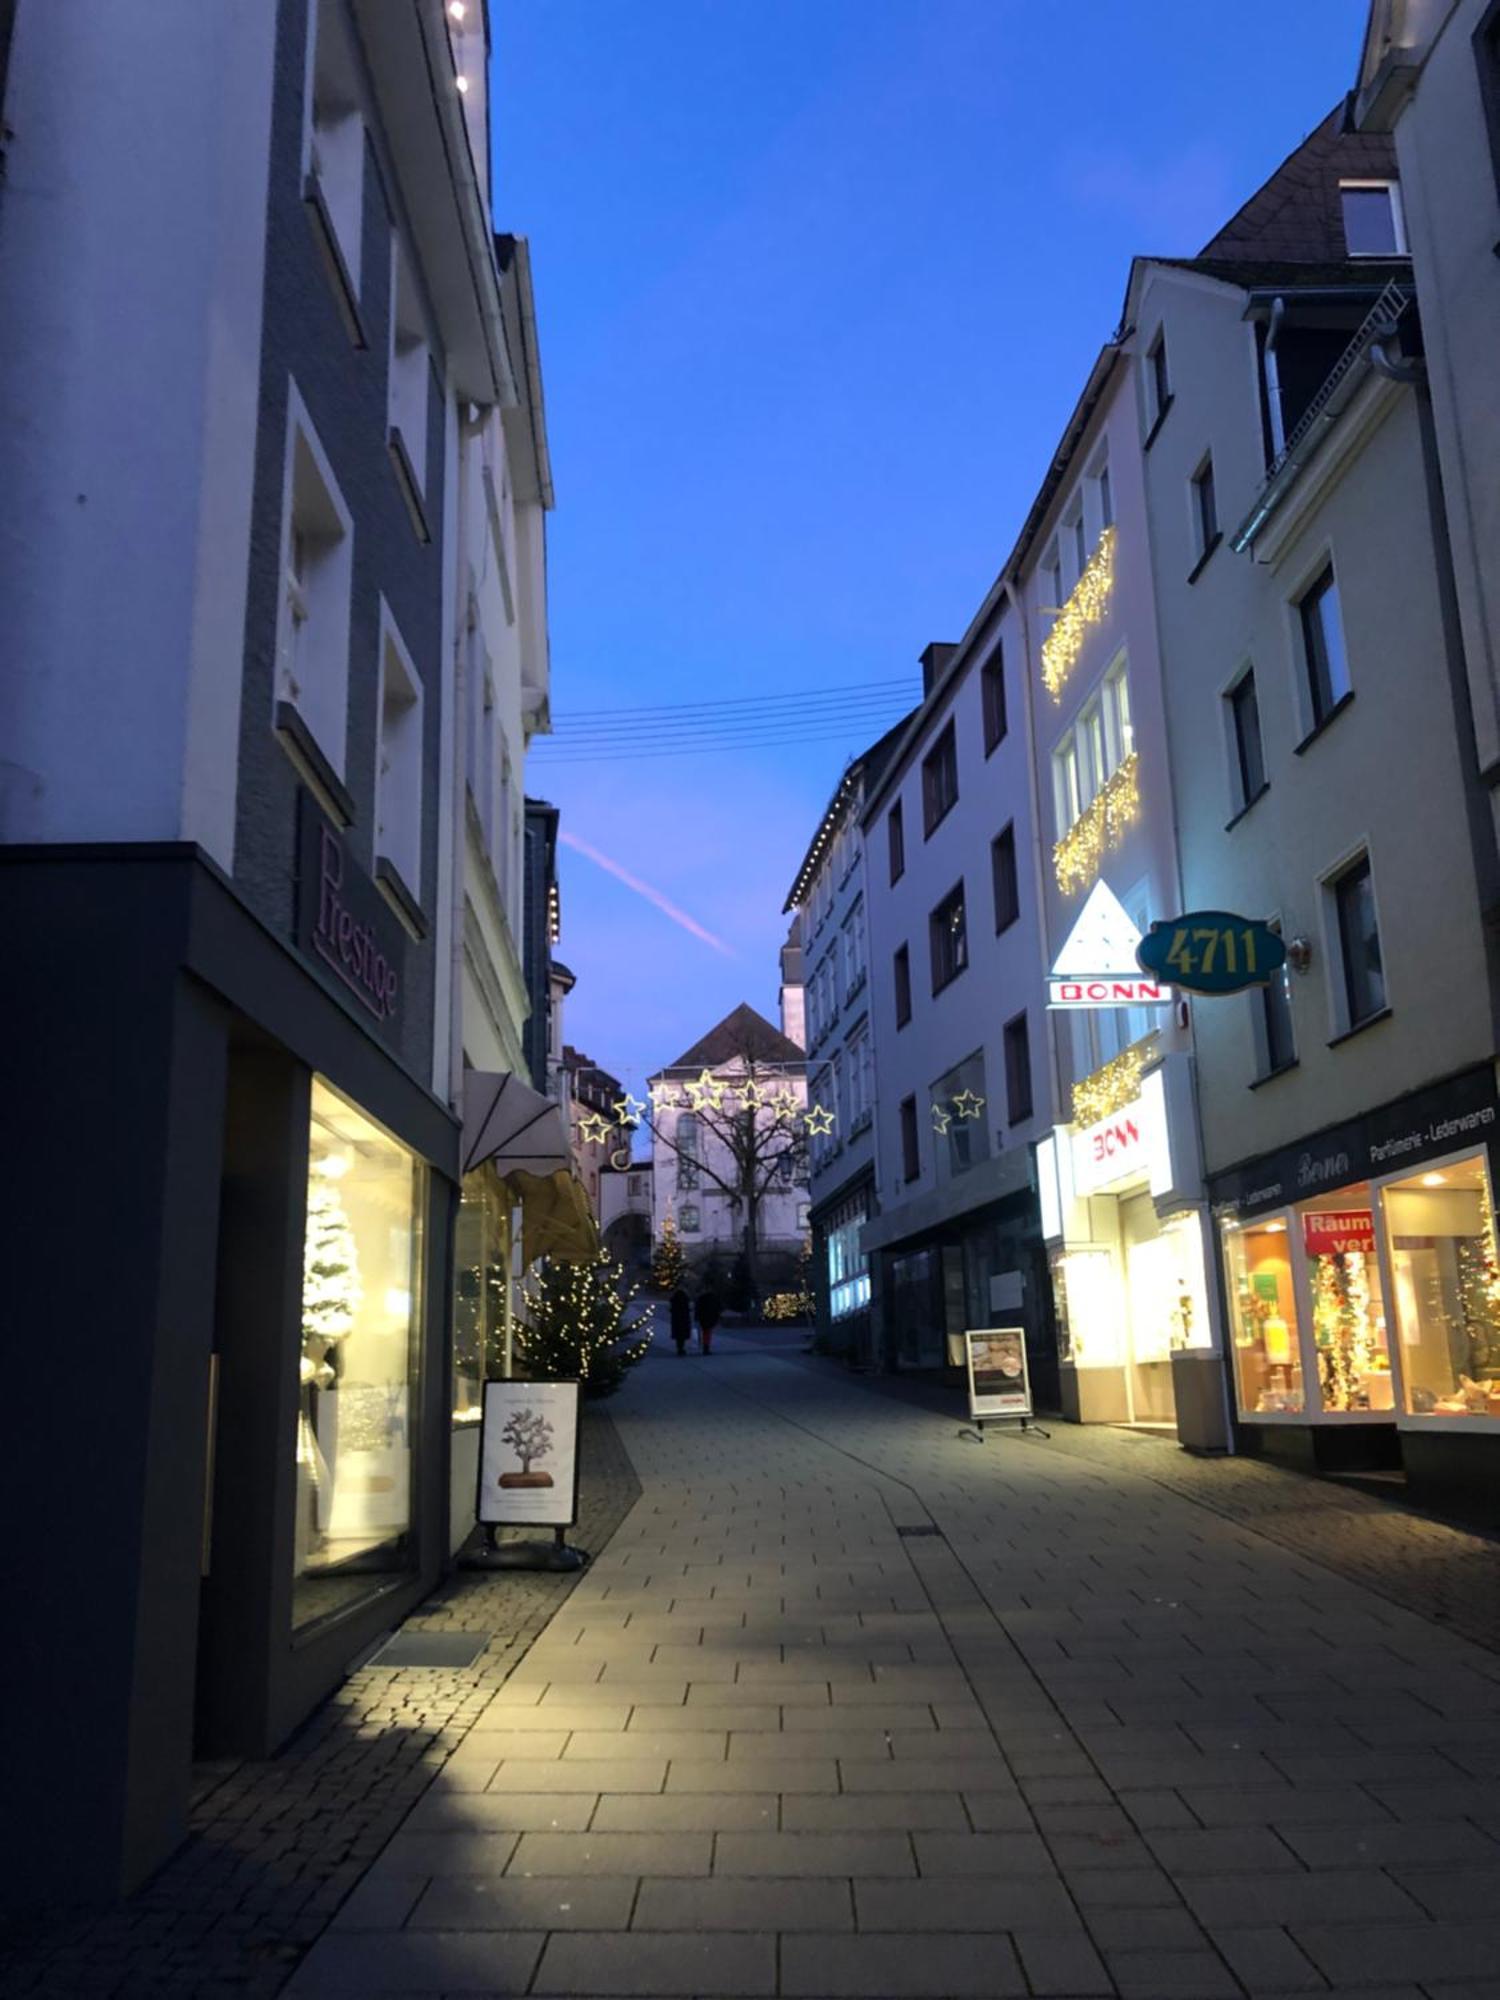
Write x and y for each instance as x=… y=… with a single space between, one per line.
x=343 y=920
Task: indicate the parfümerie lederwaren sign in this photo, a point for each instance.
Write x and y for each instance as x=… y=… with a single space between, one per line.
x=528 y=1455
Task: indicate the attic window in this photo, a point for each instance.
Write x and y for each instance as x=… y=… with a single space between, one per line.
x=1372 y=219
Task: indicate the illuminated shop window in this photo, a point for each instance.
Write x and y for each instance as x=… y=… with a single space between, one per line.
x=1445 y=1277
x=478 y=1291
x=362 y=1277
x=1263 y=1315
x=1347 y=1304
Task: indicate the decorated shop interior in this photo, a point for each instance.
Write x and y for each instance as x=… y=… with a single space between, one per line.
x=1363 y=1290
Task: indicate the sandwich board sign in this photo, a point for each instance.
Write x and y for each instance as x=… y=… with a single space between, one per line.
x=528 y=1455
x=1097 y=965
x=999 y=1386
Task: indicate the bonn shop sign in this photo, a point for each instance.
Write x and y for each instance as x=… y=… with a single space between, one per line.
x=1097 y=964
x=343 y=920
x=1212 y=951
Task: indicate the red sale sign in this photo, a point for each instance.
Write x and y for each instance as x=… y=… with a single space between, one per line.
x=1333 y=1232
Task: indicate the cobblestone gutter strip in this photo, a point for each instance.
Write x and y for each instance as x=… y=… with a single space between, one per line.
x=1448 y=1574
x=276 y=1846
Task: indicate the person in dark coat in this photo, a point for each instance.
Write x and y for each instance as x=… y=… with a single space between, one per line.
x=681 y=1309
x=709 y=1310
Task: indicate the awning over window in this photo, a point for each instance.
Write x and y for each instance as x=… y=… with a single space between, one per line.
x=512 y=1126
x=556 y=1220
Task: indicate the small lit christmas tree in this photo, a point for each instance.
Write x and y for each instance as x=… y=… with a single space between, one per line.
x=331 y=1290
x=1479 y=1295
x=572 y=1324
x=668 y=1264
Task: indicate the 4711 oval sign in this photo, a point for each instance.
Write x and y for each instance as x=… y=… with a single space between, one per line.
x=1212 y=951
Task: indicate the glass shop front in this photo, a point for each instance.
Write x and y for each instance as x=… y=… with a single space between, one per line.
x=1362 y=1280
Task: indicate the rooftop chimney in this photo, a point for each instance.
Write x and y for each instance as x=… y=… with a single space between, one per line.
x=934 y=659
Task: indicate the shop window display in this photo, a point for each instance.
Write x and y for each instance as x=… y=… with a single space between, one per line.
x=478 y=1291
x=1347 y=1304
x=1263 y=1314
x=362 y=1268
x=1445 y=1279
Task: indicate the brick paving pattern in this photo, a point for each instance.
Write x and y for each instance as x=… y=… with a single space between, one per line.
x=849 y=1706
x=278 y=1845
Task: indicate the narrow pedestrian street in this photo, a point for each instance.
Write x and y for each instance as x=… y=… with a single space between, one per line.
x=851 y=1704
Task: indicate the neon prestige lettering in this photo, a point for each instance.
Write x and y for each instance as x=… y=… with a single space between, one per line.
x=348 y=945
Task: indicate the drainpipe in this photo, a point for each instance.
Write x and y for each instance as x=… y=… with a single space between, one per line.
x=1273 y=378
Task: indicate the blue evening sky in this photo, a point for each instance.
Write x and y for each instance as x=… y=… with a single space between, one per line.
x=817 y=284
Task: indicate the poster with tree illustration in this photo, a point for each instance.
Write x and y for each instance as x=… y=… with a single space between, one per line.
x=528 y=1454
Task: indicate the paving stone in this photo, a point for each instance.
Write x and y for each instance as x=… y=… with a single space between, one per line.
x=731 y=1904
x=1223 y=1850
x=525 y=1903
x=1266 y=1961
x=1426 y=1952
x=932 y=1774
x=1222 y=1901
x=380 y=1903
x=876 y=1812
x=655 y=1965
x=982 y=1854
x=811 y=1854
x=893 y=1965
x=753 y=1774
x=1171 y=1975
x=965 y=1903
x=418 y=1962
x=1392 y=1844
x=612 y=1854
x=688 y=1812
x=1055 y=1963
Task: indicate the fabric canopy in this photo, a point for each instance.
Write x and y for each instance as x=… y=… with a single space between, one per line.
x=556 y=1220
x=511 y=1125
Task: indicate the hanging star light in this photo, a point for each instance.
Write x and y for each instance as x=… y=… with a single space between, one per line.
x=941 y=1120
x=783 y=1108
x=820 y=1121
x=752 y=1095
x=593 y=1127
x=706 y=1089
x=628 y=1109
x=662 y=1097
x=967 y=1105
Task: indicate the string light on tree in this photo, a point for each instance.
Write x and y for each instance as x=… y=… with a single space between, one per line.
x=572 y=1324
x=668 y=1264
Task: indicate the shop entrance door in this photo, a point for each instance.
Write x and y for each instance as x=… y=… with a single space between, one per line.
x=1151 y=1288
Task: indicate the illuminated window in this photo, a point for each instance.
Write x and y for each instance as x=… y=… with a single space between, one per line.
x=1346 y=1301
x=1445 y=1274
x=948 y=939
x=1263 y=1318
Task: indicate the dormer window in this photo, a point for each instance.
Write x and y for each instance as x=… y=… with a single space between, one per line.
x=1373 y=223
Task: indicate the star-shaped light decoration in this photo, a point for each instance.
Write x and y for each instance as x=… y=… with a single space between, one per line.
x=662 y=1096
x=967 y=1105
x=820 y=1121
x=593 y=1127
x=752 y=1094
x=783 y=1107
x=706 y=1089
x=941 y=1120
x=628 y=1109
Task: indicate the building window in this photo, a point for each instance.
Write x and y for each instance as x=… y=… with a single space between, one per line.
x=896 y=835
x=948 y=937
x=1093 y=749
x=1277 y=1042
x=1053 y=571
x=992 y=697
x=317 y=567
x=939 y=780
x=857 y=1078
x=1323 y=656
x=410 y=370
x=685 y=1137
x=960 y=1124
x=1106 y=498
x=901 y=968
x=689 y=1219
x=362 y=1279
x=1440 y=1229
x=1003 y=876
x=1263 y=1317
x=1158 y=384
x=1017 y=1070
x=1359 y=944
x=1205 y=510
x=1249 y=771
x=1373 y=225
x=398 y=782
x=845 y=1263
x=334 y=152
x=1079 y=536
x=911 y=1157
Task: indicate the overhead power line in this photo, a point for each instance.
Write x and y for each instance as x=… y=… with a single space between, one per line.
x=786 y=721
x=712 y=746
x=794 y=696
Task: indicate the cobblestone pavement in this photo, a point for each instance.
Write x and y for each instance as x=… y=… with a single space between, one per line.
x=278 y=1845
x=852 y=1707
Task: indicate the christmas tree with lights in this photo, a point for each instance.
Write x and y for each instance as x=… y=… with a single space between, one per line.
x=331 y=1290
x=1479 y=1295
x=668 y=1264
x=572 y=1323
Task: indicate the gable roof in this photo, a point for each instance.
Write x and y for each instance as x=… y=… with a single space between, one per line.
x=742 y=1032
x=1296 y=216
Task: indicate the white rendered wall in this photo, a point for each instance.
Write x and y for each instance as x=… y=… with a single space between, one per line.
x=132 y=237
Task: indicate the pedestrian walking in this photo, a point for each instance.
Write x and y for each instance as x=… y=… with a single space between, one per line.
x=708 y=1310
x=681 y=1310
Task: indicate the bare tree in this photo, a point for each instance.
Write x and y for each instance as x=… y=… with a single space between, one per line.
x=529 y=1435
x=752 y=1111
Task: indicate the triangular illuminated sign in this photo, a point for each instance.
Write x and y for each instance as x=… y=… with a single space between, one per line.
x=1097 y=964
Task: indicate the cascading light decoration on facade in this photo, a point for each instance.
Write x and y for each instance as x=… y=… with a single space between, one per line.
x=1101 y=826
x=1113 y=1084
x=1086 y=605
